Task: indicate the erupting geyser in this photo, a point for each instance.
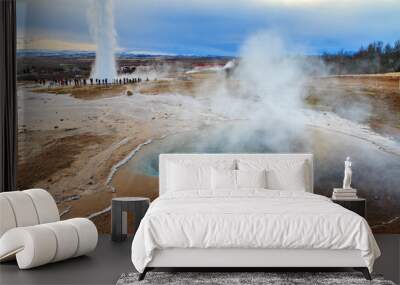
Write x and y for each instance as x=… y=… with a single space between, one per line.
x=102 y=29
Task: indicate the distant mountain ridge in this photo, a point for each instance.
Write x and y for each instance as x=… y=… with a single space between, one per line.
x=121 y=54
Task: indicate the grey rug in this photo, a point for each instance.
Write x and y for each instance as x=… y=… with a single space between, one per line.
x=273 y=278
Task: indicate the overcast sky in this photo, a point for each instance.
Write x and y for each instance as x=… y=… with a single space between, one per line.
x=211 y=26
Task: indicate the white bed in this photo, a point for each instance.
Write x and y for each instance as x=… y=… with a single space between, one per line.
x=248 y=227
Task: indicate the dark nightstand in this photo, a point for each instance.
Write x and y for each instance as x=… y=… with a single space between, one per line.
x=358 y=205
x=120 y=207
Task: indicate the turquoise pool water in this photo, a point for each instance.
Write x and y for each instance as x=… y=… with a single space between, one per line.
x=376 y=174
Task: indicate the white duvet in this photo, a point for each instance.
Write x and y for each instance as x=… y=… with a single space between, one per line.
x=250 y=219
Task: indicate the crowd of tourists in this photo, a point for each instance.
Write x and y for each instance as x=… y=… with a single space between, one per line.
x=91 y=81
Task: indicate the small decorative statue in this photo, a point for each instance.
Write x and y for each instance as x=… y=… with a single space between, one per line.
x=347 y=174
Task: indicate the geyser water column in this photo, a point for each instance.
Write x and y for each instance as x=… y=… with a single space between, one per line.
x=101 y=21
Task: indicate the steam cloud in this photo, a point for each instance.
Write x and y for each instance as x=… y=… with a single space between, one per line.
x=266 y=89
x=101 y=23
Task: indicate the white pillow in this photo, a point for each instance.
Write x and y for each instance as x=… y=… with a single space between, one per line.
x=282 y=174
x=188 y=174
x=188 y=177
x=223 y=179
x=251 y=178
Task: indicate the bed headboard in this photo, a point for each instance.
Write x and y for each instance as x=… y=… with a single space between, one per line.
x=306 y=157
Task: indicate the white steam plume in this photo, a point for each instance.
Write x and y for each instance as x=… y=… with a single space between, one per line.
x=266 y=89
x=101 y=21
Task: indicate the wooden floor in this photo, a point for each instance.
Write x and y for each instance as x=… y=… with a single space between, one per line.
x=110 y=260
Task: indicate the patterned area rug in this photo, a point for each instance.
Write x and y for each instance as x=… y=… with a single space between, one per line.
x=273 y=278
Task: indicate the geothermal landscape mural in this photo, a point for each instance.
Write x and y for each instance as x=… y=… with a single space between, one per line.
x=105 y=86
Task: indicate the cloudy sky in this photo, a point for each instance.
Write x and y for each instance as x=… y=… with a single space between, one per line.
x=211 y=26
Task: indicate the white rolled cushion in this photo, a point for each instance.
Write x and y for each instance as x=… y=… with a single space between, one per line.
x=87 y=235
x=223 y=179
x=33 y=246
x=251 y=178
x=37 y=245
x=45 y=205
x=67 y=240
x=188 y=177
x=7 y=218
x=23 y=208
x=282 y=174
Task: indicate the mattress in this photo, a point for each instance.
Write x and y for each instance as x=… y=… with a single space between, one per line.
x=251 y=219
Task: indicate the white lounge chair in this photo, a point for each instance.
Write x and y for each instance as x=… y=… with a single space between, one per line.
x=31 y=230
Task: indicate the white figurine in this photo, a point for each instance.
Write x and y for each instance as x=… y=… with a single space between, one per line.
x=347 y=174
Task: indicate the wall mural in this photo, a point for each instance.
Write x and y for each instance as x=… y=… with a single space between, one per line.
x=105 y=86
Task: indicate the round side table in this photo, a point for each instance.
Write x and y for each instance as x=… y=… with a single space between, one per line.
x=119 y=215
